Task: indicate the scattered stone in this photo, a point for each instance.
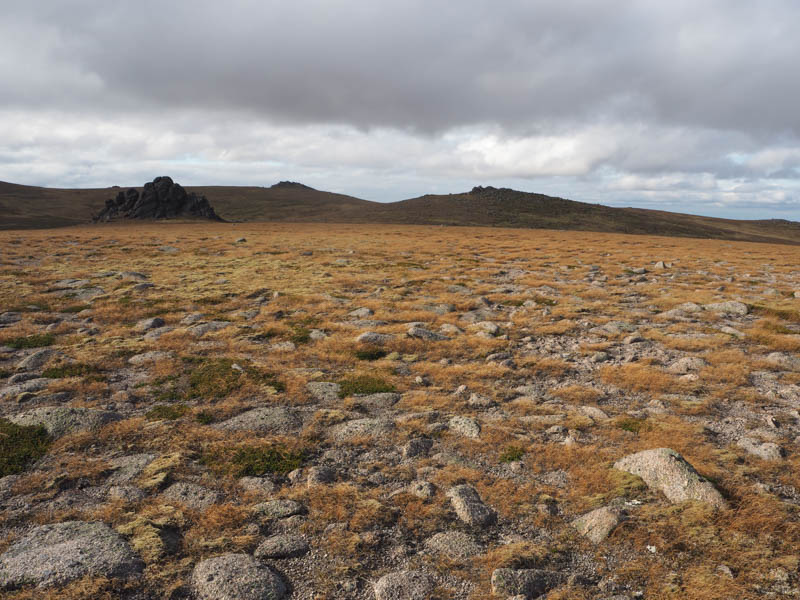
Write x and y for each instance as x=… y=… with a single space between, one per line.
x=425 y=334
x=665 y=470
x=404 y=585
x=127 y=468
x=528 y=583
x=36 y=361
x=728 y=308
x=282 y=546
x=763 y=450
x=62 y=420
x=236 y=577
x=147 y=324
x=267 y=419
x=360 y=313
x=320 y=476
x=598 y=524
x=362 y=428
x=279 y=509
x=421 y=489
x=466 y=426
x=417 y=447
x=192 y=495
x=687 y=364
x=257 y=484
x=469 y=507
x=324 y=391
x=202 y=329
x=453 y=544
x=62 y=552
x=371 y=337
x=783 y=361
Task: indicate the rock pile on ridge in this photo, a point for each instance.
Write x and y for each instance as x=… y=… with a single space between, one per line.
x=162 y=198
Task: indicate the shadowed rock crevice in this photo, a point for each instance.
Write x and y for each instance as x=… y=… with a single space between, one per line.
x=162 y=198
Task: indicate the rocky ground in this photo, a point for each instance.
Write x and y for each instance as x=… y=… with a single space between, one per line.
x=263 y=411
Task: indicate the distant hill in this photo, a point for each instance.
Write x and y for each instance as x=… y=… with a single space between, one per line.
x=25 y=207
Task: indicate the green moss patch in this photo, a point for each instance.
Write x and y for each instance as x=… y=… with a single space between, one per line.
x=254 y=461
x=20 y=445
x=364 y=384
x=31 y=341
x=166 y=412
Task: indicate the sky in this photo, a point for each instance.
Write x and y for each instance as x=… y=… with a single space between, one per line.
x=691 y=106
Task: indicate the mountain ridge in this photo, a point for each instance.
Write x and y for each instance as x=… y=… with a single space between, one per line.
x=29 y=207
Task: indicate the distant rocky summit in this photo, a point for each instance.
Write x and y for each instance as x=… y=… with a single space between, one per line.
x=162 y=198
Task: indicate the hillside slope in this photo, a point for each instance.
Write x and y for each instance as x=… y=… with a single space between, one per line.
x=26 y=207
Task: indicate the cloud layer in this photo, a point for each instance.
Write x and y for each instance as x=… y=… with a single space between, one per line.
x=690 y=106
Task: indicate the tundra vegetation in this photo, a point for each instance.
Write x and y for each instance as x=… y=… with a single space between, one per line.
x=386 y=411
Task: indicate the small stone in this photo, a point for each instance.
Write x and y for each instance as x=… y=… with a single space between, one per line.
x=319 y=476
x=528 y=583
x=280 y=508
x=598 y=524
x=425 y=334
x=148 y=324
x=763 y=450
x=417 y=447
x=192 y=495
x=371 y=337
x=453 y=544
x=728 y=308
x=466 y=426
x=421 y=489
x=469 y=507
x=324 y=391
x=236 y=577
x=404 y=585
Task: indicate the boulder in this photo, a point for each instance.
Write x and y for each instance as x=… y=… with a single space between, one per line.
x=162 y=198
x=667 y=471
x=598 y=524
x=469 y=507
x=62 y=420
x=236 y=577
x=404 y=585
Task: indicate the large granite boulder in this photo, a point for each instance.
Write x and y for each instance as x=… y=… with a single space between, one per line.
x=162 y=198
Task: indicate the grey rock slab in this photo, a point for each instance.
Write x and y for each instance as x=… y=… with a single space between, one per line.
x=598 y=524
x=62 y=420
x=30 y=385
x=202 y=329
x=783 y=361
x=425 y=334
x=319 y=475
x=58 y=553
x=279 y=508
x=466 y=426
x=9 y=318
x=192 y=495
x=362 y=427
x=404 y=585
x=379 y=400
x=127 y=468
x=763 y=450
x=667 y=471
x=470 y=507
x=728 y=308
x=324 y=391
x=421 y=489
x=453 y=544
x=236 y=577
x=282 y=546
x=528 y=583
x=267 y=419
x=360 y=313
x=36 y=360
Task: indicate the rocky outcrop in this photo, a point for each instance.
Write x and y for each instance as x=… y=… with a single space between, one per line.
x=162 y=198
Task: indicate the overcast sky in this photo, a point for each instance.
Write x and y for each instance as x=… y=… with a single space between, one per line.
x=682 y=105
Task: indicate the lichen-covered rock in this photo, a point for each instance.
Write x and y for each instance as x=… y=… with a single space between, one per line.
x=61 y=420
x=192 y=495
x=268 y=419
x=282 y=546
x=667 y=471
x=58 y=553
x=453 y=544
x=236 y=577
